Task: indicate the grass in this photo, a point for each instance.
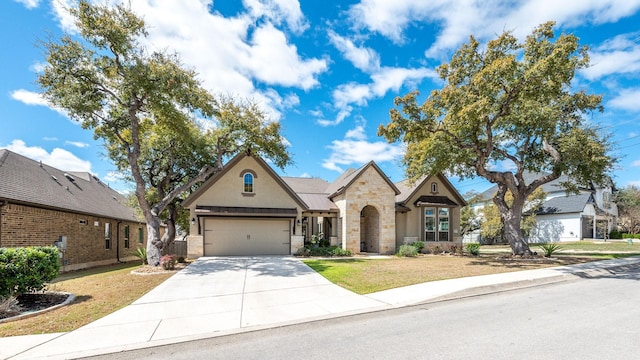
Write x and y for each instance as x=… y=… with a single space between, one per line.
x=364 y=276
x=601 y=249
x=99 y=292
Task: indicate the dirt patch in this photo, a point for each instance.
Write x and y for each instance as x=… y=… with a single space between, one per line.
x=152 y=270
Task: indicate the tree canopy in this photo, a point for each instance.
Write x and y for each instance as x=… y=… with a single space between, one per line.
x=506 y=108
x=144 y=105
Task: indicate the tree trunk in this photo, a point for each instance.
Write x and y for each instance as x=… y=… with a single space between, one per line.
x=511 y=219
x=154 y=242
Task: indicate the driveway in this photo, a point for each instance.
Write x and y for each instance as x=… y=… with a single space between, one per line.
x=212 y=296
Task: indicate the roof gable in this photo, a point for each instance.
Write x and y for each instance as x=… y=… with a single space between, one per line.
x=230 y=165
x=30 y=182
x=350 y=176
x=409 y=191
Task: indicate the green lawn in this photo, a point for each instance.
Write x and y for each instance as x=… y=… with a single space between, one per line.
x=602 y=249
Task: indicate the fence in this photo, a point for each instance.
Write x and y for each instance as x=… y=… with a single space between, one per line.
x=178 y=247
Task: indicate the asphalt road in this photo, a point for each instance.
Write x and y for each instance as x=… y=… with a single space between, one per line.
x=596 y=317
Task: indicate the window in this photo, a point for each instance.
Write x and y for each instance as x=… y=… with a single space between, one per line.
x=434 y=187
x=107 y=236
x=443 y=224
x=430 y=224
x=140 y=236
x=436 y=224
x=248 y=183
x=126 y=236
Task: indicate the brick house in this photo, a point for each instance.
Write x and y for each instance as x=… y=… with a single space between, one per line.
x=248 y=209
x=42 y=206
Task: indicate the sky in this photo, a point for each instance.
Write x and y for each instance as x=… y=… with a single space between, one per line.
x=328 y=70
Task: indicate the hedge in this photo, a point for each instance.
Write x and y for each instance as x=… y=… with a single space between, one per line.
x=24 y=270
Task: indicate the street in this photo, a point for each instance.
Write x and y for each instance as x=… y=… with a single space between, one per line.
x=593 y=317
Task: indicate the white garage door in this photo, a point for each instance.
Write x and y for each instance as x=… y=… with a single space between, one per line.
x=229 y=237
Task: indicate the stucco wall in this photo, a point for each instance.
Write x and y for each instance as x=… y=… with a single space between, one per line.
x=228 y=191
x=412 y=220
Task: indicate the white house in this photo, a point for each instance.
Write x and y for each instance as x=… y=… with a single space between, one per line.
x=589 y=214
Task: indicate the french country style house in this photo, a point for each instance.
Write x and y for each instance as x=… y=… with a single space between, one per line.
x=248 y=209
x=44 y=206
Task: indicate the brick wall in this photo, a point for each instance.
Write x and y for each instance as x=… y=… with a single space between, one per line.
x=86 y=245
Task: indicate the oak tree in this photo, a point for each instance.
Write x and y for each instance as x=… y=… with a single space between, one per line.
x=144 y=105
x=506 y=108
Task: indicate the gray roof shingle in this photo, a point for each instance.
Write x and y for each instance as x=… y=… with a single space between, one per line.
x=27 y=181
x=565 y=204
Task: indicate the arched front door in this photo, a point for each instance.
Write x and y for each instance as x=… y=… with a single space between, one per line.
x=369 y=229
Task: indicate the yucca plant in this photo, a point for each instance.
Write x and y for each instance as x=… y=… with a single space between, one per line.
x=549 y=248
x=141 y=253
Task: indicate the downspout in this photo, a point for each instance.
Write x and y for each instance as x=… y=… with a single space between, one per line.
x=2 y=203
x=118 y=241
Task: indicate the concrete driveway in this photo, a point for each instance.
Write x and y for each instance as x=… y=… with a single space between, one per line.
x=212 y=296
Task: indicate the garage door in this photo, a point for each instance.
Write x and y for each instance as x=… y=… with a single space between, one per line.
x=229 y=237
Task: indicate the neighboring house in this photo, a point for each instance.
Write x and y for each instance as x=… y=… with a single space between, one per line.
x=43 y=206
x=248 y=209
x=589 y=214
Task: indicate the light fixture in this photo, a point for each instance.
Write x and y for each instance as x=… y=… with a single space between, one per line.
x=298 y=221
x=193 y=221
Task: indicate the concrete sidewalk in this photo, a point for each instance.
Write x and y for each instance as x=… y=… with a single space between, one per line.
x=220 y=296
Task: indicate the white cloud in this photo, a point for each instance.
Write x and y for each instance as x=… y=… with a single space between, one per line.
x=34 y=99
x=482 y=18
x=355 y=150
x=279 y=11
x=232 y=55
x=58 y=158
x=305 y=175
x=363 y=58
x=627 y=99
x=115 y=176
x=633 y=183
x=272 y=60
x=38 y=67
x=635 y=163
x=29 y=4
x=619 y=55
x=384 y=80
x=77 y=144
x=61 y=12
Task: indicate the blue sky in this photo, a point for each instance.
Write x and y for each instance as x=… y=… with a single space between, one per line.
x=326 y=70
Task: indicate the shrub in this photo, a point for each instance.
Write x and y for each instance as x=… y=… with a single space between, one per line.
x=454 y=249
x=436 y=250
x=322 y=251
x=27 y=269
x=473 y=248
x=141 y=253
x=407 y=251
x=181 y=260
x=549 y=248
x=631 y=236
x=615 y=235
x=168 y=262
x=419 y=245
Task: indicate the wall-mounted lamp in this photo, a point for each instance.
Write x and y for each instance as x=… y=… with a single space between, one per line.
x=193 y=221
x=298 y=221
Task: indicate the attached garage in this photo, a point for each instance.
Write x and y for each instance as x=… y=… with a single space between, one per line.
x=246 y=236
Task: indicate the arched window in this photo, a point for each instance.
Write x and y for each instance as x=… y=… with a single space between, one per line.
x=434 y=187
x=248 y=183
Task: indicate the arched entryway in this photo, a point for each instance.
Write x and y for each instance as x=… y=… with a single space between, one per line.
x=369 y=229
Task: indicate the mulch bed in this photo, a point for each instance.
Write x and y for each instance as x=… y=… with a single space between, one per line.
x=32 y=302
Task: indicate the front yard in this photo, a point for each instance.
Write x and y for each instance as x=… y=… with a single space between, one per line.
x=103 y=290
x=364 y=276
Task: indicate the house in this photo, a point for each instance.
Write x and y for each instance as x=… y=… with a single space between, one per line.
x=589 y=214
x=248 y=209
x=44 y=206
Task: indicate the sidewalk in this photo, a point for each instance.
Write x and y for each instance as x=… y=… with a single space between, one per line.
x=222 y=296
